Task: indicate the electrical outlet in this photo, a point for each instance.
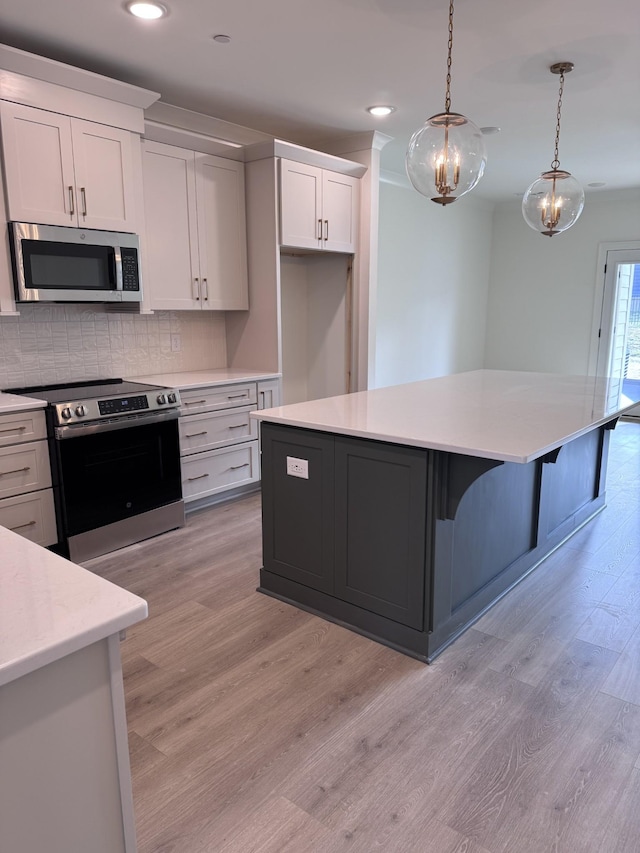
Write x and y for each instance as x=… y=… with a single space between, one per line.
x=298 y=467
x=176 y=343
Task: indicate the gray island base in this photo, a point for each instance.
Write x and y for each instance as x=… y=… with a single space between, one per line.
x=410 y=545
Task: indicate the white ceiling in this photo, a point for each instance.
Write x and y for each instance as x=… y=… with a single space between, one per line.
x=305 y=71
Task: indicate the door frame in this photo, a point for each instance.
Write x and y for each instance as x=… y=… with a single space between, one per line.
x=604 y=302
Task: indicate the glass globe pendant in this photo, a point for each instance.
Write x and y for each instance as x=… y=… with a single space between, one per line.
x=447 y=154
x=555 y=200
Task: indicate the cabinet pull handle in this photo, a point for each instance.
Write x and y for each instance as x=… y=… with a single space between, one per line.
x=72 y=209
x=14 y=429
x=194 y=402
x=319 y=229
x=15 y=471
x=235 y=467
x=83 y=193
x=196 y=293
x=205 y=289
x=199 y=477
x=236 y=396
x=26 y=524
x=236 y=426
x=326 y=230
x=194 y=434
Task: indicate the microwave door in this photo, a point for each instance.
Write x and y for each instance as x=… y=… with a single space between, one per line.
x=68 y=272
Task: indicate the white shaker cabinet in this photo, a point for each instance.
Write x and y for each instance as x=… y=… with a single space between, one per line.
x=26 y=496
x=318 y=208
x=218 y=441
x=195 y=255
x=67 y=171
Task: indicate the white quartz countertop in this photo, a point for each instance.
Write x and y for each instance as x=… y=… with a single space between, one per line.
x=202 y=378
x=494 y=414
x=14 y=403
x=50 y=607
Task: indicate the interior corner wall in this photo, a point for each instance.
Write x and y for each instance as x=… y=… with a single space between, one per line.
x=433 y=279
x=543 y=291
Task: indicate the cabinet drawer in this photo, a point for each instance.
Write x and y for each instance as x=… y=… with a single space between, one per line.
x=206 y=431
x=22 y=426
x=24 y=468
x=218 y=470
x=217 y=397
x=32 y=516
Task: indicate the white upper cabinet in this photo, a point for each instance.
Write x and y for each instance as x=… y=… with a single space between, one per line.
x=195 y=256
x=318 y=208
x=67 y=171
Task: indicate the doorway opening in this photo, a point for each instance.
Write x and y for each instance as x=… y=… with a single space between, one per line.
x=631 y=380
x=619 y=328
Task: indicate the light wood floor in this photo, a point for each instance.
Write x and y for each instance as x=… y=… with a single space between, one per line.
x=257 y=727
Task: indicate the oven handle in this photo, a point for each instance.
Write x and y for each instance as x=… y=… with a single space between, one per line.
x=125 y=422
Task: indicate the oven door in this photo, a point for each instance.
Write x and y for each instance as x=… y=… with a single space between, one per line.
x=108 y=472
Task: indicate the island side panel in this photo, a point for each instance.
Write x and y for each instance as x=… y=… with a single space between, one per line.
x=496 y=525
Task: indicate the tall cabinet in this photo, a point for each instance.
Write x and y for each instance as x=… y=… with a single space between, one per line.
x=302 y=238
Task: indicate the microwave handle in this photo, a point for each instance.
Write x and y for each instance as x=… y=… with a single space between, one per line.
x=115 y=268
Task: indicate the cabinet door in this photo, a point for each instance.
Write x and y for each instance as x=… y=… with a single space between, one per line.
x=103 y=163
x=297 y=513
x=340 y=194
x=38 y=162
x=300 y=205
x=171 y=253
x=380 y=528
x=269 y=394
x=222 y=233
x=32 y=516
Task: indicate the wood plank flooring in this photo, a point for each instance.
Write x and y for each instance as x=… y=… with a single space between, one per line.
x=258 y=728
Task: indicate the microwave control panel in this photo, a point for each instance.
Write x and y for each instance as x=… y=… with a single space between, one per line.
x=130 y=278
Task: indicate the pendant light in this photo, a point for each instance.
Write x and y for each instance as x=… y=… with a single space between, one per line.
x=447 y=154
x=555 y=200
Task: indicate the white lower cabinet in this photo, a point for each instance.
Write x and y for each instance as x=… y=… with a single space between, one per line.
x=32 y=516
x=26 y=497
x=215 y=471
x=218 y=440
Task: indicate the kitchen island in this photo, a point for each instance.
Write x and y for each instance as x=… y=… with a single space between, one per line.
x=65 y=781
x=405 y=512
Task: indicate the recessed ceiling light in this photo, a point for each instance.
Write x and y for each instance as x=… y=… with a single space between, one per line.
x=381 y=110
x=221 y=38
x=146 y=9
x=489 y=131
x=596 y=184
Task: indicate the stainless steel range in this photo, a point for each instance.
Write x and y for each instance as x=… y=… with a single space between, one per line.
x=115 y=462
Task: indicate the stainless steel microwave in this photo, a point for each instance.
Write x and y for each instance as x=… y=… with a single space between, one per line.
x=57 y=264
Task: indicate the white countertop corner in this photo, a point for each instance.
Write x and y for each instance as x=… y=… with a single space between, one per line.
x=14 y=403
x=50 y=607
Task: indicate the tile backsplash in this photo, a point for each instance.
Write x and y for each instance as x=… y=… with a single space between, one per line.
x=64 y=343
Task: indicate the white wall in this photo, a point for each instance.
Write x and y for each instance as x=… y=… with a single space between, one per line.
x=543 y=290
x=433 y=279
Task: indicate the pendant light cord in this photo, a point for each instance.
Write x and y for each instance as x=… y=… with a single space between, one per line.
x=555 y=165
x=447 y=99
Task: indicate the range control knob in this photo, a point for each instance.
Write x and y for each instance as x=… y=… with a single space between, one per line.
x=161 y=399
x=66 y=413
x=81 y=411
x=172 y=397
